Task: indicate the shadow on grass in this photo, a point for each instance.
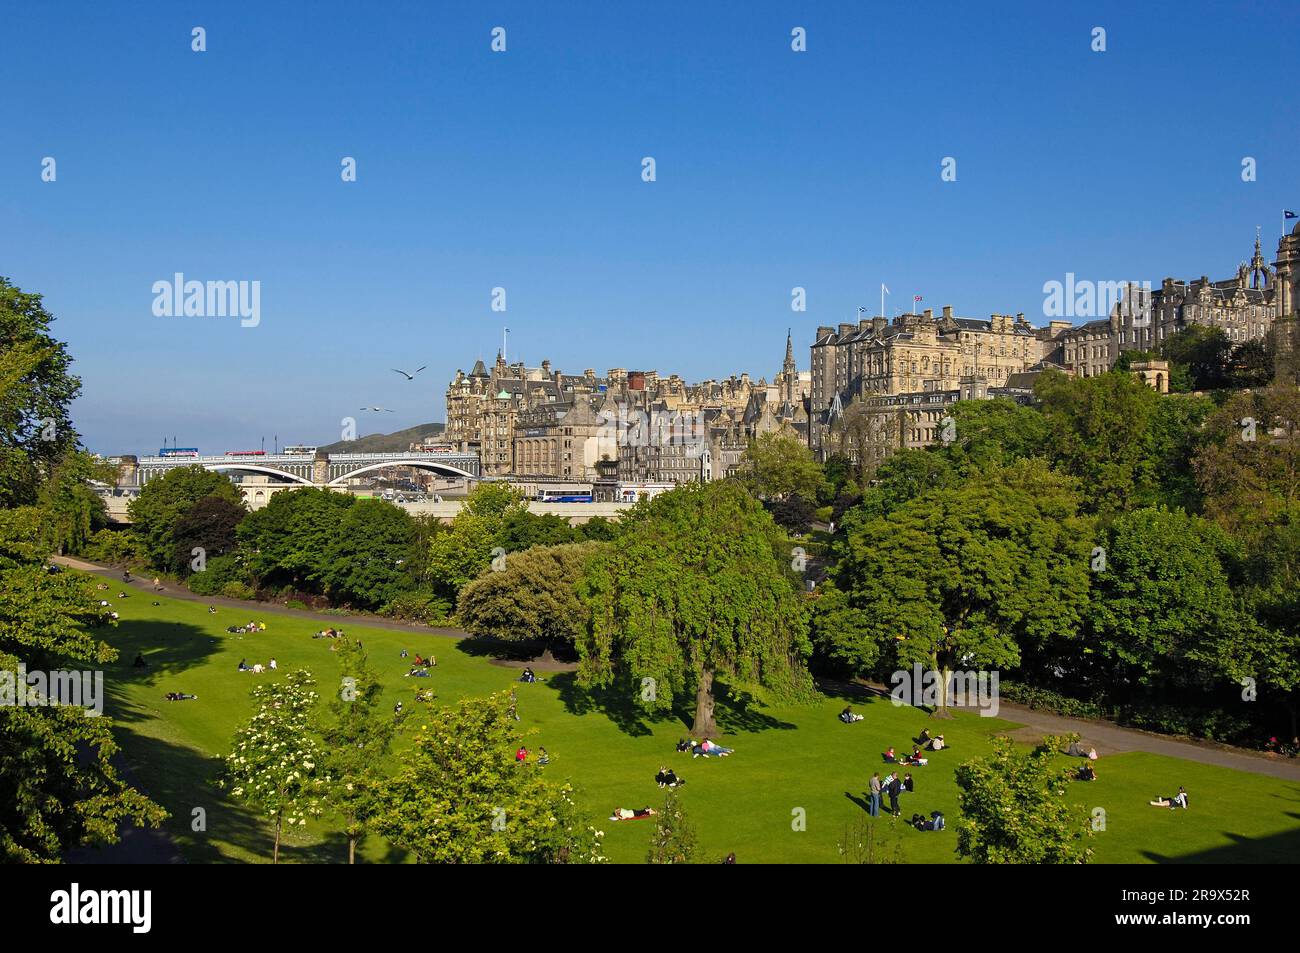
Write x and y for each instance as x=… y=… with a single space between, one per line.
x=487 y=647
x=169 y=650
x=735 y=709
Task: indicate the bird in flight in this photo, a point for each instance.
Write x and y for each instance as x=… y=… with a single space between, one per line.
x=379 y=409
x=411 y=376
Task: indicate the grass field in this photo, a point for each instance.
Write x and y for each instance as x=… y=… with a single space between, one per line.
x=787 y=758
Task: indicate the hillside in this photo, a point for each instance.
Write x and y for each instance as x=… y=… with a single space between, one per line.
x=385 y=442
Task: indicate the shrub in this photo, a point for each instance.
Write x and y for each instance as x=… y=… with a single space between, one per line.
x=221 y=571
x=418 y=606
x=237 y=590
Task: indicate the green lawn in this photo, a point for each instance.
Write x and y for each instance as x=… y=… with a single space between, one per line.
x=787 y=758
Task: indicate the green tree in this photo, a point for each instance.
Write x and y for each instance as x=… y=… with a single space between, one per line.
x=457 y=555
x=209 y=525
x=1016 y=808
x=673 y=840
x=1206 y=352
x=460 y=797
x=1163 y=610
x=994 y=432
x=36 y=389
x=1101 y=431
x=165 y=499
x=56 y=765
x=779 y=465
x=357 y=736
x=275 y=764
x=695 y=587
x=968 y=575
x=74 y=511
x=366 y=562
x=522 y=530
x=534 y=596
x=1248 y=465
x=288 y=541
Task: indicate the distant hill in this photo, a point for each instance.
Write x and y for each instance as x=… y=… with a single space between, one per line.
x=385 y=442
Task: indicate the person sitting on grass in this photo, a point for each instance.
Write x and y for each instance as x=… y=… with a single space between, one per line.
x=139 y=661
x=543 y=757
x=430 y=662
x=667 y=778
x=888 y=755
x=907 y=783
x=528 y=676
x=915 y=758
x=849 y=716
x=272 y=664
x=1087 y=773
x=243 y=665
x=923 y=738
x=406 y=654
x=212 y=610
x=521 y=754
x=418 y=660
x=920 y=822
x=684 y=745
x=121 y=595
x=937 y=743
x=1176 y=801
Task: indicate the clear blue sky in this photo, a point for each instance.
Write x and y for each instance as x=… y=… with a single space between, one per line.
x=522 y=170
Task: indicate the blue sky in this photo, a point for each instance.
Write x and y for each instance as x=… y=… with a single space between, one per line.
x=522 y=170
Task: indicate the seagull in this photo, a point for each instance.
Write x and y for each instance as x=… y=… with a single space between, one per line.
x=411 y=376
x=381 y=409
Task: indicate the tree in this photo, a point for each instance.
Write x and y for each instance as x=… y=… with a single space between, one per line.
x=357 y=739
x=1016 y=809
x=366 y=562
x=533 y=597
x=36 y=389
x=1205 y=351
x=1248 y=465
x=209 y=525
x=165 y=499
x=522 y=530
x=994 y=433
x=905 y=476
x=458 y=554
x=694 y=587
x=1163 y=610
x=461 y=798
x=73 y=509
x=673 y=841
x=968 y=575
x=1100 y=431
x=275 y=762
x=56 y=765
x=288 y=541
x=793 y=512
x=779 y=465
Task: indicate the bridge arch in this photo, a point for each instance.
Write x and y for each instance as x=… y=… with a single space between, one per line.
x=444 y=468
x=254 y=468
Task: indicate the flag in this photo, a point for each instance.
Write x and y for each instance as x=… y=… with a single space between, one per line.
x=1287 y=213
x=916 y=297
x=884 y=289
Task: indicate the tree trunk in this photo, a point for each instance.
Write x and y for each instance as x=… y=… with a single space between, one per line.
x=275 y=856
x=705 y=726
x=352 y=850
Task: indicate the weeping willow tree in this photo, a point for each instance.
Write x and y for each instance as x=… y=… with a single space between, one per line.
x=698 y=585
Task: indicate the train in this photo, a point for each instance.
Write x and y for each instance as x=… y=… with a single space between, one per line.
x=299 y=450
x=245 y=453
x=179 y=452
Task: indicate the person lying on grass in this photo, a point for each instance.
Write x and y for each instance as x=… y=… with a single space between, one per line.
x=849 y=716
x=710 y=749
x=1176 y=801
x=180 y=697
x=623 y=814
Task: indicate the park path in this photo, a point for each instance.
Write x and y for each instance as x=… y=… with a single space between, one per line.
x=1110 y=738
x=176 y=591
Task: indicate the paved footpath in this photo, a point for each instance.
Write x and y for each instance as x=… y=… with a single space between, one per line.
x=1110 y=738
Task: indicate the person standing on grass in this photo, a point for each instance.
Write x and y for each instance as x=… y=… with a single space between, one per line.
x=895 y=788
x=873 y=803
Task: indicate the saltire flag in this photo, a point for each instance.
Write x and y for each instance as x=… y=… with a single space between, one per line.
x=1289 y=214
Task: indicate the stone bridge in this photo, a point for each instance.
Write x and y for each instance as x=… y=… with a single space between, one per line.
x=320 y=469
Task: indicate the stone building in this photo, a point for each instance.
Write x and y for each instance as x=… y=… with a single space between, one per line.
x=916 y=354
